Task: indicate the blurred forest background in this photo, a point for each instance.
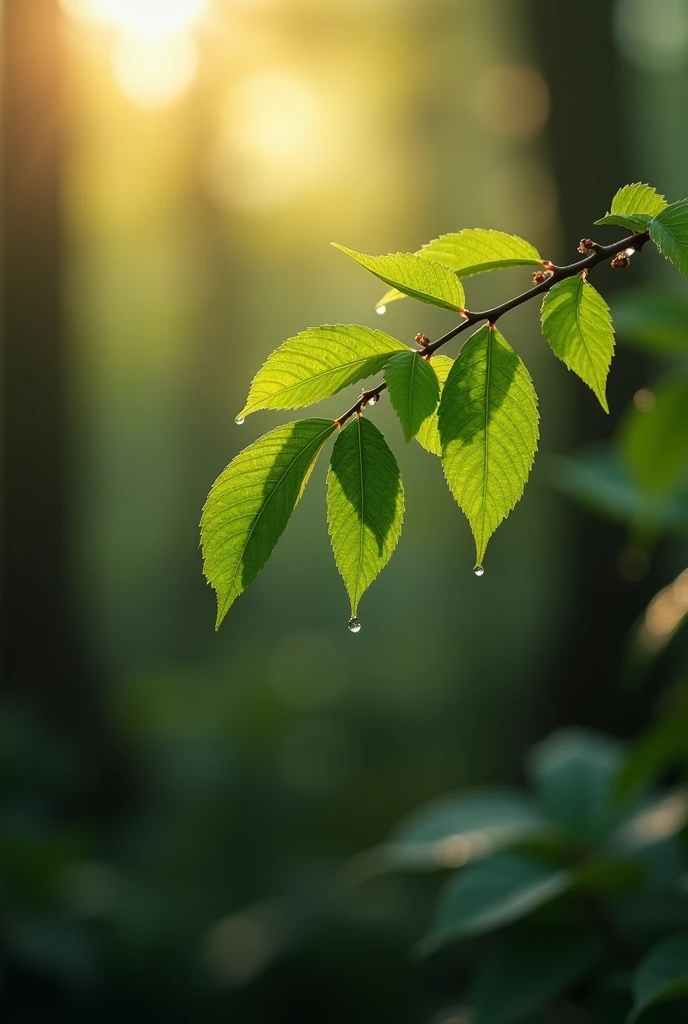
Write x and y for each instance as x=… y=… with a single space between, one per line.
x=176 y=806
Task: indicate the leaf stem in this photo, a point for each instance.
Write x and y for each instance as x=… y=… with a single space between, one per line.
x=599 y=254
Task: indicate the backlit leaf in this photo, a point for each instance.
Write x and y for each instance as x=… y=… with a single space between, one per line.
x=669 y=232
x=250 y=504
x=420 y=278
x=488 y=423
x=577 y=323
x=414 y=390
x=318 y=363
x=475 y=251
x=365 y=505
x=429 y=433
x=633 y=207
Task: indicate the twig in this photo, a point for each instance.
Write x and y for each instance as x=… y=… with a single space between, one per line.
x=598 y=254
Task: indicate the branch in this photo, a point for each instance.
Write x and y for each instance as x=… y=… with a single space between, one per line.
x=595 y=254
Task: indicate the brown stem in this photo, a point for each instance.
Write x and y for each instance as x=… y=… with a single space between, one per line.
x=599 y=255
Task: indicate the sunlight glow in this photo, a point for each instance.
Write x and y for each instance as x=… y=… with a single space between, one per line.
x=149 y=17
x=153 y=73
x=274 y=140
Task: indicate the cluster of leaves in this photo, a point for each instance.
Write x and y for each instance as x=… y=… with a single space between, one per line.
x=575 y=891
x=478 y=413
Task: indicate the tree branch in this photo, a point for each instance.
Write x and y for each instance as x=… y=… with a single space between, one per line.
x=597 y=254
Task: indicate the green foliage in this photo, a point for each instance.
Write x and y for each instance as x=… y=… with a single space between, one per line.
x=669 y=232
x=421 y=279
x=455 y=830
x=573 y=774
x=477 y=412
x=488 y=423
x=528 y=971
x=653 y=319
x=574 y=885
x=654 y=441
x=492 y=893
x=250 y=504
x=365 y=505
x=633 y=207
x=474 y=251
x=578 y=325
x=414 y=390
x=429 y=433
x=318 y=363
x=662 y=976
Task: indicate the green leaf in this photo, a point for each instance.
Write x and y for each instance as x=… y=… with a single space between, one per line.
x=493 y=893
x=365 y=505
x=453 y=830
x=661 y=976
x=654 y=319
x=669 y=232
x=529 y=970
x=429 y=433
x=414 y=390
x=574 y=774
x=250 y=504
x=318 y=363
x=475 y=251
x=488 y=422
x=633 y=207
x=654 y=443
x=421 y=279
x=578 y=325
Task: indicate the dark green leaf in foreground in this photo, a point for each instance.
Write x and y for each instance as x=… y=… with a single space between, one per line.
x=662 y=975
x=365 y=505
x=429 y=433
x=654 y=442
x=414 y=390
x=475 y=251
x=250 y=504
x=577 y=323
x=488 y=422
x=453 y=830
x=318 y=363
x=669 y=232
x=574 y=774
x=633 y=207
x=529 y=970
x=421 y=279
x=493 y=893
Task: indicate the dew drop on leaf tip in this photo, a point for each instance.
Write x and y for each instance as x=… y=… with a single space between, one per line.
x=478 y=570
x=381 y=310
x=354 y=625
x=239 y=420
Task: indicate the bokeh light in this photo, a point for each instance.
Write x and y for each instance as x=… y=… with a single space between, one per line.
x=154 y=73
x=141 y=17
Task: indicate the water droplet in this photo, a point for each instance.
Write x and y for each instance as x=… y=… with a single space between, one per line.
x=629 y=252
x=478 y=570
x=239 y=420
x=381 y=310
x=354 y=625
x=373 y=399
